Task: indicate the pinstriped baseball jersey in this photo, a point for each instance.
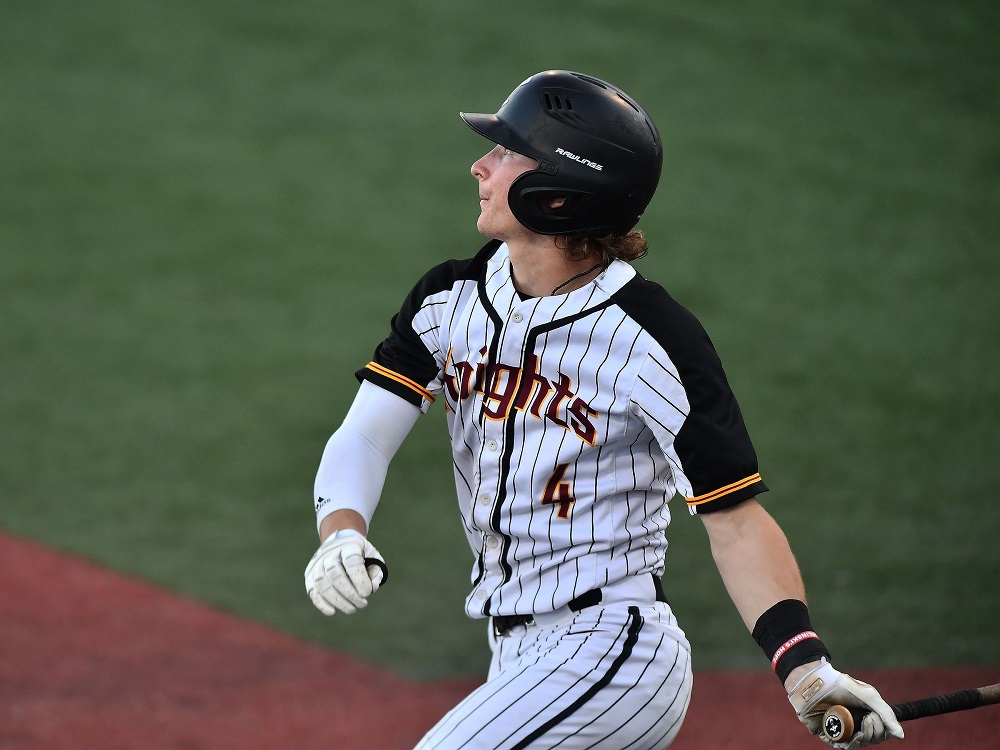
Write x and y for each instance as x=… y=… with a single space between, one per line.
x=573 y=418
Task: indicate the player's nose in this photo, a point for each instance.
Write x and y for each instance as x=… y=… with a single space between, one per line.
x=479 y=168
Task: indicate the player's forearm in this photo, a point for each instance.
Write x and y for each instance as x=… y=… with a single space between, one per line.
x=356 y=458
x=349 y=479
x=754 y=559
x=764 y=582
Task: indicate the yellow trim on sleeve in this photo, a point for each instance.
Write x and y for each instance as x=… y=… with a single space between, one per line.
x=722 y=491
x=412 y=385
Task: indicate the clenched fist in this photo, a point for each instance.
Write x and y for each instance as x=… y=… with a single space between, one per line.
x=344 y=572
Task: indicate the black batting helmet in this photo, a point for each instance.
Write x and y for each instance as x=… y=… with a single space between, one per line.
x=595 y=146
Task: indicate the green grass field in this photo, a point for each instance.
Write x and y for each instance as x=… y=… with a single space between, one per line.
x=209 y=211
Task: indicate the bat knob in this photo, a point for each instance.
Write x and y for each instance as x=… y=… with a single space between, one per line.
x=839 y=723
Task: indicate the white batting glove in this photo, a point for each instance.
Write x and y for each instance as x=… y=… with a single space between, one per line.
x=344 y=572
x=824 y=687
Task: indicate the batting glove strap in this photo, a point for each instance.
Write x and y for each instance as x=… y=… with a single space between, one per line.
x=344 y=572
x=824 y=687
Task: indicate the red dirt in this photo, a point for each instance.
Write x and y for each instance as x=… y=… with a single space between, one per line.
x=95 y=660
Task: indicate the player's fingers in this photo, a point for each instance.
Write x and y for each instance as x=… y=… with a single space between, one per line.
x=314 y=568
x=881 y=722
x=376 y=576
x=332 y=598
x=313 y=576
x=874 y=730
x=872 y=727
x=327 y=581
x=357 y=573
x=319 y=602
x=890 y=725
x=336 y=579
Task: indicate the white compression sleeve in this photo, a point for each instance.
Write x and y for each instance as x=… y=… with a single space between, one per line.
x=356 y=459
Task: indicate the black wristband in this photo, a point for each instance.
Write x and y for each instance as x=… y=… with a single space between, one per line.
x=785 y=635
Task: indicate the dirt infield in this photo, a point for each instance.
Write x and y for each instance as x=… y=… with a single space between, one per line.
x=92 y=660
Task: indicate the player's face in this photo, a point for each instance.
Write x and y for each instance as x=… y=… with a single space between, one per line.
x=495 y=172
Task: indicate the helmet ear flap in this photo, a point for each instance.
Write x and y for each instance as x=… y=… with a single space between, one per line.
x=531 y=198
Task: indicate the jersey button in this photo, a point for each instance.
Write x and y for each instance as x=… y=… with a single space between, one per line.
x=484 y=499
x=517 y=317
x=492 y=445
x=493 y=542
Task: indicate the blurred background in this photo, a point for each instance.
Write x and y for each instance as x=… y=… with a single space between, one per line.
x=210 y=211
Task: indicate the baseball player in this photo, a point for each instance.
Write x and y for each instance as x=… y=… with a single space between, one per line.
x=580 y=399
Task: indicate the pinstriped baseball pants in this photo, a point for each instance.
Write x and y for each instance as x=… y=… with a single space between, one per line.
x=607 y=678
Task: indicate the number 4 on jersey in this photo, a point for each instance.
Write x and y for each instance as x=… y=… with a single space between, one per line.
x=558 y=492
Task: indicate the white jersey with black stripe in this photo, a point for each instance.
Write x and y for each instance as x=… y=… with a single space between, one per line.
x=574 y=419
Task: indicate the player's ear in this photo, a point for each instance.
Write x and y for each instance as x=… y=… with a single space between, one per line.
x=554 y=204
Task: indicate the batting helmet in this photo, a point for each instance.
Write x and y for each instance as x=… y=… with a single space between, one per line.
x=595 y=147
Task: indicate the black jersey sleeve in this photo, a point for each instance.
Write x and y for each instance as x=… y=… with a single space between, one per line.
x=409 y=361
x=713 y=446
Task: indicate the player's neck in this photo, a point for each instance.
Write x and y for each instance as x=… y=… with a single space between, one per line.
x=541 y=269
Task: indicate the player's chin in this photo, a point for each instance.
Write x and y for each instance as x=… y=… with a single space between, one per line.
x=488 y=229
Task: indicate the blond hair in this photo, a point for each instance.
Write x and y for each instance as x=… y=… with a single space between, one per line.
x=626 y=247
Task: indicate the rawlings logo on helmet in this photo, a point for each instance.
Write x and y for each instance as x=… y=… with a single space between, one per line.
x=575 y=157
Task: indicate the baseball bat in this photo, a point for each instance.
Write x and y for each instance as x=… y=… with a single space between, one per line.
x=840 y=722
